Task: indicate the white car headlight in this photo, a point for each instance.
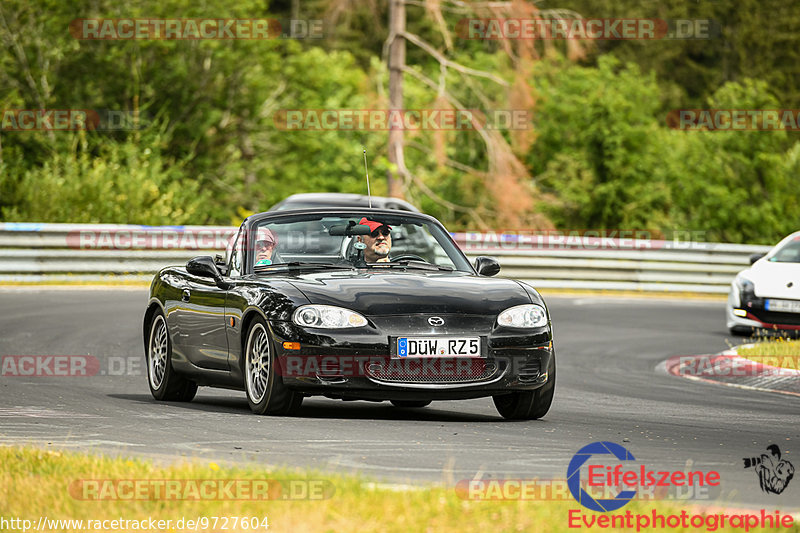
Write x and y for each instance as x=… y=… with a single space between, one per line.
x=745 y=284
x=523 y=316
x=327 y=317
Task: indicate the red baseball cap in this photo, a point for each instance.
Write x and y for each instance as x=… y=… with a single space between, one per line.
x=372 y=224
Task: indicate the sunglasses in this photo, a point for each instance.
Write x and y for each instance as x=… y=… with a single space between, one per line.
x=383 y=230
x=264 y=245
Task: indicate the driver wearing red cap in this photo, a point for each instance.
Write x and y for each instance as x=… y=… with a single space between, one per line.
x=378 y=242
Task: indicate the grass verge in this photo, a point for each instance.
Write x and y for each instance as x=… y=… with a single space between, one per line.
x=55 y=484
x=780 y=353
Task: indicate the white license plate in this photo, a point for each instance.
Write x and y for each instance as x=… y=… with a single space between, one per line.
x=439 y=347
x=785 y=306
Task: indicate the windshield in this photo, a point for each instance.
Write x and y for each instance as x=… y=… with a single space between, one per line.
x=788 y=253
x=371 y=241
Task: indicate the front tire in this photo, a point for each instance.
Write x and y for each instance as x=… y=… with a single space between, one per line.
x=529 y=405
x=165 y=384
x=741 y=331
x=266 y=393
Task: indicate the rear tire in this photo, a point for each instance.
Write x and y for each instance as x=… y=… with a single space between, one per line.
x=411 y=403
x=529 y=405
x=266 y=393
x=165 y=384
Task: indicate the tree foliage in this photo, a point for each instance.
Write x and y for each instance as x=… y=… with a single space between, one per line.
x=206 y=146
x=120 y=182
x=605 y=154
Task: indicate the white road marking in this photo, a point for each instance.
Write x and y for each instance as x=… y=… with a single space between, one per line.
x=41 y=412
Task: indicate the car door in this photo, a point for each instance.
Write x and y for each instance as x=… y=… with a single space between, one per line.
x=201 y=322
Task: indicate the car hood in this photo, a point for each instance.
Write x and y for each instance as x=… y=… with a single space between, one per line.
x=396 y=293
x=771 y=279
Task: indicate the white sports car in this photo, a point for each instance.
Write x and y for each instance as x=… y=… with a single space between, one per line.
x=767 y=295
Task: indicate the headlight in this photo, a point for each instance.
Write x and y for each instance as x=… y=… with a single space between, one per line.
x=523 y=316
x=745 y=285
x=327 y=316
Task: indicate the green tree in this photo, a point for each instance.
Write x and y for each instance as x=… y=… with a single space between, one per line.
x=127 y=182
x=608 y=159
x=594 y=151
x=757 y=39
x=740 y=186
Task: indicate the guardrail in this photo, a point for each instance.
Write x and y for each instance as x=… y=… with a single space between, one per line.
x=110 y=252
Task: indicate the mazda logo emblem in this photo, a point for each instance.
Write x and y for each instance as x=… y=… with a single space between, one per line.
x=436 y=321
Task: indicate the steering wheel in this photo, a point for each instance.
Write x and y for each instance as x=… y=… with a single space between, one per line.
x=408 y=257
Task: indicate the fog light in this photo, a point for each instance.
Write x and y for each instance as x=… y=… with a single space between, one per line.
x=740 y=312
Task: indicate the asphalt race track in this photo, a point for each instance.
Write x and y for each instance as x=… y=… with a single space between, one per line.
x=607 y=389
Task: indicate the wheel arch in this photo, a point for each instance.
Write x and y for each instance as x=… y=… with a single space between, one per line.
x=247 y=319
x=153 y=307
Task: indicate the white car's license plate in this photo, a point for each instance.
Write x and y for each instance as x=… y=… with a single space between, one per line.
x=785 y=306
x=438 y=347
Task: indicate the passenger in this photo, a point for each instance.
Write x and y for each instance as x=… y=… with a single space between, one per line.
x=265 y=244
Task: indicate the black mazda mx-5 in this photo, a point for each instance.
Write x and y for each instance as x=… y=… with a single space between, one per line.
x=354 y=304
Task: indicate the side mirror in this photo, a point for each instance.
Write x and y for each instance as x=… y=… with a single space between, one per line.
x=222 y=267
x=756 y=257
x=204 y=266
x=487 y=266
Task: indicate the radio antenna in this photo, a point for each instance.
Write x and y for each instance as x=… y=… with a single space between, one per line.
x=366 y=171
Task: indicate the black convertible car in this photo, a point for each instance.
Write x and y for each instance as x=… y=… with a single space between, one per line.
x=354 y=304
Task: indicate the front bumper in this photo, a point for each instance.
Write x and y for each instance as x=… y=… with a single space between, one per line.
x=748 y=311
x=357 y=364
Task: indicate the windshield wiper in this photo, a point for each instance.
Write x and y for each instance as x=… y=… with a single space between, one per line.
x=410 y=263
x=303 y=264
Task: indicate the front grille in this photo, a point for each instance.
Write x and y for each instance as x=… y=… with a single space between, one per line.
x=776 y=317
x=433 y=370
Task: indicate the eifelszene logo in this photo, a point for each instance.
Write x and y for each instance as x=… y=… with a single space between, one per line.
x=630 y=478
x=774 y=473
x=574 y=476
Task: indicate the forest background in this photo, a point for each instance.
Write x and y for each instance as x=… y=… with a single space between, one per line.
x=204 y=145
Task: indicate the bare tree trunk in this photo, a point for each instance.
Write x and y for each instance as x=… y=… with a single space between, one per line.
x=250 y=179
x=397 y=61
